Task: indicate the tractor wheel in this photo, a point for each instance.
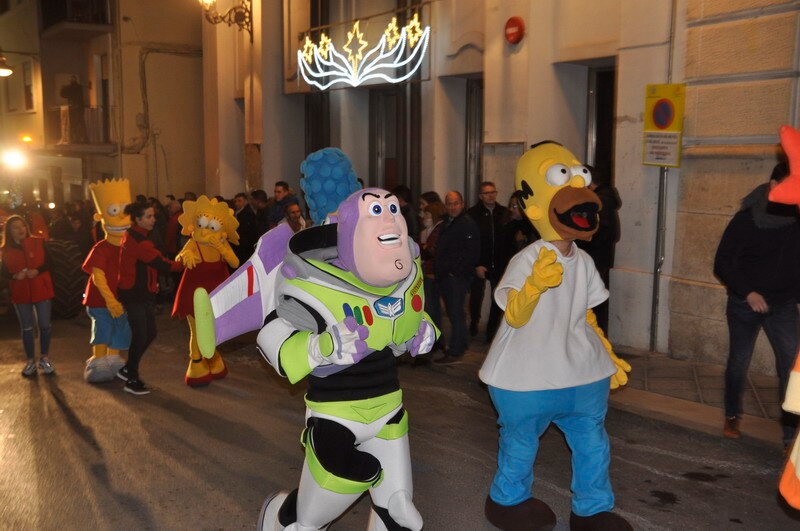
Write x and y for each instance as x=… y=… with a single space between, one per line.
x=69 y=280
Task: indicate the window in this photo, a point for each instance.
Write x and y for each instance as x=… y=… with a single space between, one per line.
x=19 y=88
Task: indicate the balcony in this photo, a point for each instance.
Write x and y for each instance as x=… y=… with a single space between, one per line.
x=74 y=20
x=87 y=130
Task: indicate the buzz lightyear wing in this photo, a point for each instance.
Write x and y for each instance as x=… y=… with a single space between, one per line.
x=242 y=302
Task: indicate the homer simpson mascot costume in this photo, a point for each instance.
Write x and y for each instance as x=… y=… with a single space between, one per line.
x=206 y=257
x=110 y=330
x=549 y=362
x=337 y=306
x=788 y=192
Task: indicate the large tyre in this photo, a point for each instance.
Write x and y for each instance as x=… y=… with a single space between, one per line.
x=69 y=280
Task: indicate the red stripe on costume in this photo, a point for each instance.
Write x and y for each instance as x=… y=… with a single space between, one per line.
x=249 y=281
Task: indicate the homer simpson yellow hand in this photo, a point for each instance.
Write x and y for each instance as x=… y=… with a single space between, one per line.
x=620 y=378
x=545 y=274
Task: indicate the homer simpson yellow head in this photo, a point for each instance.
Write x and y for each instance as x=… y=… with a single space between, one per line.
x=555 y=195
x=207 y=219
x=110 y=198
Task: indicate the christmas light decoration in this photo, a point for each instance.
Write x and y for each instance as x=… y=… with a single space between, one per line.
x=396 y=57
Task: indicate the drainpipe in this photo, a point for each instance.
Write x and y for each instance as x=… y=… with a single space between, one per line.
x=661 y=230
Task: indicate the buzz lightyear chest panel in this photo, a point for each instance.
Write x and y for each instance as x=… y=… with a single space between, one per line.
x=392 y=315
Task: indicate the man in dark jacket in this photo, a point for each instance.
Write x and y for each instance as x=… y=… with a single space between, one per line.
x=277 y=208
x=248 y=227
x=489 y=216
x=757 y=260
x=403 y=194
x=457 y=251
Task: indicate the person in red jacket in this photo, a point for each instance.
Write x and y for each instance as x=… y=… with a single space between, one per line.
x=26 y=266
x=139 y=264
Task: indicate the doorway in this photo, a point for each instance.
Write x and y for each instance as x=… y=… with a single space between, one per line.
x=394 y=145
x=600 y=120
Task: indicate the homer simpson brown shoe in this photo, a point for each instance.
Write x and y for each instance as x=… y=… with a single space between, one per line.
x=530 y=515
x=605 y=521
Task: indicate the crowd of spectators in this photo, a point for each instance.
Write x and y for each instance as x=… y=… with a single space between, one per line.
x=461 y=248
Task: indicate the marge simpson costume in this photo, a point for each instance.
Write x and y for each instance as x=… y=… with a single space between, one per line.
x=206 y=257
x=110 y=330
x=549 y=361
x=346 y=299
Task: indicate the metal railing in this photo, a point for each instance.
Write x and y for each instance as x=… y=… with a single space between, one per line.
x=68 y=125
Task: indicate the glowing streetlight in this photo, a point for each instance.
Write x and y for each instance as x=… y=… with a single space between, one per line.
x=14 y=159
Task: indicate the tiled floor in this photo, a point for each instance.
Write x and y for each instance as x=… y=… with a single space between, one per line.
x=702 y=383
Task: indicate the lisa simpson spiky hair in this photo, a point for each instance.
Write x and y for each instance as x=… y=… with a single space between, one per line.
x=213 y=209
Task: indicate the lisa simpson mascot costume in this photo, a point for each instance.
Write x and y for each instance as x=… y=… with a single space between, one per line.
x=549 y=362
x=206 y=257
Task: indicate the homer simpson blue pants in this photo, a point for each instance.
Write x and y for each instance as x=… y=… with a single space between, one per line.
x=580 y=413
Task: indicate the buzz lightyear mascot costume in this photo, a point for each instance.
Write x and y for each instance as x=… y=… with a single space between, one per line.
x=344 y=301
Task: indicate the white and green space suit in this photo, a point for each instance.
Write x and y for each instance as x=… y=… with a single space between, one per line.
x=356 y=435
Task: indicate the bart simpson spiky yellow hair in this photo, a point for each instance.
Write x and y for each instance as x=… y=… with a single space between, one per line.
x=110 y=191
x=192 y=210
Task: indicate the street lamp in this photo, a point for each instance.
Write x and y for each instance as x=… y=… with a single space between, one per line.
x=240 y=14
x=5 y=68
x=14 y=159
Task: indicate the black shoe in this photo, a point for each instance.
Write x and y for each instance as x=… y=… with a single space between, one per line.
x=473 y=328
x=448 y=360
x=137 y=387
x=421 y=360
x=122 y=374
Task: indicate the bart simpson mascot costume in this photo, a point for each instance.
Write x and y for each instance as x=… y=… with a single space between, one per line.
x=346 y=300
x=549 y=362
x=110 y=330
x=211 y=225
x=788 y=192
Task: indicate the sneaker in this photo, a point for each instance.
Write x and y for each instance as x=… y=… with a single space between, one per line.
x=30 y=368
x=731 y=428
x=46 y=367
x=122 y=374
x=137 y=387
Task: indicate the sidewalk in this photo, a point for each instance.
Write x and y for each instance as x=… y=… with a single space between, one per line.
x=691 y=394
x=684 y=393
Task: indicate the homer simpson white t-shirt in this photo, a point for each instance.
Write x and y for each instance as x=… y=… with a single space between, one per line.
x=556 y=348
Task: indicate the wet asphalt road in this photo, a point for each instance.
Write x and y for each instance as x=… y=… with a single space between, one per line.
x=75 y=456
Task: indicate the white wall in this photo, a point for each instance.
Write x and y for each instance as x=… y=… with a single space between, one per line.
x=173 y=90
x=643 y=58
x=283 y=116
x=223 y=118
x=350 y=127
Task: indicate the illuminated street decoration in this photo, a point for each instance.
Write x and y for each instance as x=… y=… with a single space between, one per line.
x=355 y=57
x=323 y=66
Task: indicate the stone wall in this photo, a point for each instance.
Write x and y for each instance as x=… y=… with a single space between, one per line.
x=741 y=73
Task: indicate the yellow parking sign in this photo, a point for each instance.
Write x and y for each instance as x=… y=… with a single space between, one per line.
x=663 y=124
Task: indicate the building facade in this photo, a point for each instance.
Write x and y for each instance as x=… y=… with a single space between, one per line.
x=103 y=88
